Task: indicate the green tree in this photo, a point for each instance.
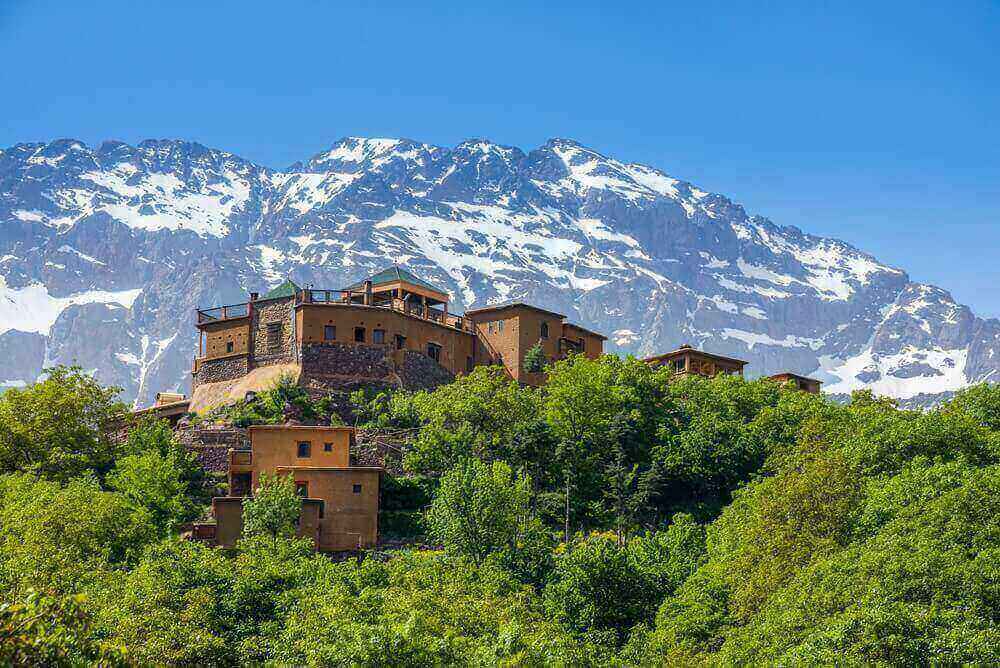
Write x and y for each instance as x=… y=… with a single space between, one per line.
x=475 y=416
x=59 y=537
x=60 y=427
x=603 y=589
x=152 y=481
x=480 y=509
x=45 y=630
x=273 y=509
x=535 y=360
x=170 y=608
x=583 y=401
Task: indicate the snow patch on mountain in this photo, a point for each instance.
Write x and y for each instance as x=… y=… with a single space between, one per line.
x=32 y=309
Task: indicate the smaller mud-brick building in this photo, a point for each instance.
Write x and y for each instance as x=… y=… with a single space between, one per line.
x=687 y=360
x=339 y=509
x=392 y=329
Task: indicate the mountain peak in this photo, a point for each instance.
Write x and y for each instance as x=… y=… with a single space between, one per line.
x=649 y=259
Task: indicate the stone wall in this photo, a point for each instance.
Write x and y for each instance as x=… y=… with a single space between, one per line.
x=420 y=372
x=223 y=368
x=270 y=311
x=211 y=444
x=347 y=364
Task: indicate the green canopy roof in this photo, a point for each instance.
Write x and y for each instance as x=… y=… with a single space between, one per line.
x=393 y=274
x=286 y=289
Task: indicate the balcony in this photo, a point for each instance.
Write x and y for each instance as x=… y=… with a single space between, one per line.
x=410 y=308
x=228 y=312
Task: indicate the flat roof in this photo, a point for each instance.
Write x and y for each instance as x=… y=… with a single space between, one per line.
x=298 y=467
x=585 y=330
x=294 y=427
x=794 y=375
x=510 y=305
x=685 y=350
x=173 y=405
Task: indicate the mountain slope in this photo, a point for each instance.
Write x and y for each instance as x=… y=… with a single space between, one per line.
x=104 y=255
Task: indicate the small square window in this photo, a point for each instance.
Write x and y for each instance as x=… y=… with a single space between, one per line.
x=359 y=334
x=304 y=449
x=328 y=447
x=356 y=489
x=679 y=364
x=301 y=488
x=400 y=342
x=329 y=332
x=434 y=352
x=378 y=336
x=229 y=346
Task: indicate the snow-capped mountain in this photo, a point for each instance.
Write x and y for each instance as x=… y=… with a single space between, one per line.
x=105 y=253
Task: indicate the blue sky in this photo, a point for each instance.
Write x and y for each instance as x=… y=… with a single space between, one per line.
x=877 y=125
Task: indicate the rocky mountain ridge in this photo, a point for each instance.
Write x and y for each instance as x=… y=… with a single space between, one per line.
x=105 y=253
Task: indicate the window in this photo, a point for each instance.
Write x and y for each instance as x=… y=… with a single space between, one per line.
x=229 y=346
x=679 y=364
x=499 y=325
x=328 y=447
x=356 y=489
x=304 y=449
x=489 y=327
x=400 y=342
x=544 y=330
x=378 y=336
x=469 y=364
x=301 y=488
x=434 y=352
x=274 y=336
x=329 y=332
x=359 y=334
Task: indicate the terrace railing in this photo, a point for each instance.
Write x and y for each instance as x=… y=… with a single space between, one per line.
x=224 y=312
x=311 y=296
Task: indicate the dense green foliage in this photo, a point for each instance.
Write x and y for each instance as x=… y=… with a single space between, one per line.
x=710 y=522
x=480 y=509
x=60 y=427
x=273 y=509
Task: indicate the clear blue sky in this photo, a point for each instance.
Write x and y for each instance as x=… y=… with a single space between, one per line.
x=878 y=125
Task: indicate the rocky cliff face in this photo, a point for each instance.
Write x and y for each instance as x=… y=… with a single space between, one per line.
x=105 y=253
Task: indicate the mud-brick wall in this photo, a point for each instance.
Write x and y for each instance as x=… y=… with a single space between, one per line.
x=223 y=368
x=264 y=313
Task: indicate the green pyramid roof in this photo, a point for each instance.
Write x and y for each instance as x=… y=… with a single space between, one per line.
x=286 y=289
x=393 y=274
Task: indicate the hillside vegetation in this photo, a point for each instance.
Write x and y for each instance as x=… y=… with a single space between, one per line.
x=616 y=516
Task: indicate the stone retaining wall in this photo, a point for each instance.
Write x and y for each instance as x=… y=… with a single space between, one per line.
x=420 y=372
x=223 y=368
